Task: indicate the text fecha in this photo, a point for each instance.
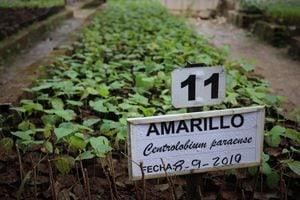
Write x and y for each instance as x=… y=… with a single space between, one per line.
x=198 y=124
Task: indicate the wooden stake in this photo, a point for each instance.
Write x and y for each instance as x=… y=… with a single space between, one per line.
x=20 y=162
x=87 y=184
x=143 y=181
x=170 y=181
x=53 y=192
x=194 y=180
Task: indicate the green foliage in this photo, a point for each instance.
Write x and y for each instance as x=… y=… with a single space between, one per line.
x=273 y=136
x=119 y=68
x=85 y=155
x=76 y=142
x=295 y=115
x=64 y=164
x=272 y=175
x=30 y=3
x=294 y=165
x=64 y=130
x=100 y=145
x=6 y=145
x=284 y=13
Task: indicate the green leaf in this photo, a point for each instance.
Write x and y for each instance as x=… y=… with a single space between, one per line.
x=92 y=91
x=295 y=115
x=284 y=151
x=6 y=145
x=103 y=90
x=90 y=122
x=57 y=104
x=253 y=170
x=273 y=136
x=71 y=74
x=75 y=103
x=231 y=98
x=67 y=115
x=29 y=105
x=19 y=109
x=77 y=143
x=64 y=130
x=24 y=135
x=121 y=135
x=265 y=168
x=147 y=111
x=98 y=106
x=247 y=66
x=85 y=155
x=295 y=150
x=116 y=85
x=26 y=125
x=48 y=146
x=47 y=132
x=109 y=125
x=112 y=108
x=139 y=99
x=273 y=179
x=63 y=164
x=144 y=82
x=292 y=134
x=294 y=166
x=50 y=119
x=100 y=145
x=42 y=86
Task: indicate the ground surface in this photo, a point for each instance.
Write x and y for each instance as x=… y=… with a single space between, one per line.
x=281 y=71
x=15 y=74
x=102 y=185
x=12 y=20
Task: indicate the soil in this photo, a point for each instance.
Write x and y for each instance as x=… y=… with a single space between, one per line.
x=272 y=63
x=18 y=72
x=107 y=178
x=33 y=175
x=14 y=19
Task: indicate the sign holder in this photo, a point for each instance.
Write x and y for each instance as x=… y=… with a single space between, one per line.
x=144 y=145
x=193 y=180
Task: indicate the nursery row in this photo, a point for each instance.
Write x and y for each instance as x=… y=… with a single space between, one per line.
x=120 y=68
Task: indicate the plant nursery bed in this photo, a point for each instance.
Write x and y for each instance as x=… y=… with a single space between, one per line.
x=242 y=19
x=294 y=49
x=14 y=19
x=66 y=139
x=274 y=34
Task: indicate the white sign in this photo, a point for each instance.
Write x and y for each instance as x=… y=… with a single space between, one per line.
x=195 y=142
x=198 y=86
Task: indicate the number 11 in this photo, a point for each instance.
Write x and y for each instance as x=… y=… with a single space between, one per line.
x=191 y=83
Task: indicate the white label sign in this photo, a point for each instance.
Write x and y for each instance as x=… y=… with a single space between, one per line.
x=195 y=142
x=198 y=86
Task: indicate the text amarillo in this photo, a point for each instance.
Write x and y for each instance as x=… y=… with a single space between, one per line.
x=189 y=126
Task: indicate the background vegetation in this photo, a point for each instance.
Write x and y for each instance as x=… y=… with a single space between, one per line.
x=30 y=3
x=282 y=11
x=120 y=68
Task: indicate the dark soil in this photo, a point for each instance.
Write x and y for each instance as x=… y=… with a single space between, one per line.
x=93 y=4
x=14 y=19
x=34 y=176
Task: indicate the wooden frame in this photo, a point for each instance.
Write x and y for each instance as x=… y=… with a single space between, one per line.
x=260 y=113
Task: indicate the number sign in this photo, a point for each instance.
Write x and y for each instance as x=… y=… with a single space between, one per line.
x=198 y=86
x=195 y=142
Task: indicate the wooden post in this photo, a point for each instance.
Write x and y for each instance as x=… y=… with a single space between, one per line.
x=194 y=181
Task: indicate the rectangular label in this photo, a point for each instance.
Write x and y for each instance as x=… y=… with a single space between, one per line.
x=195 y=142
x=198 y=86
